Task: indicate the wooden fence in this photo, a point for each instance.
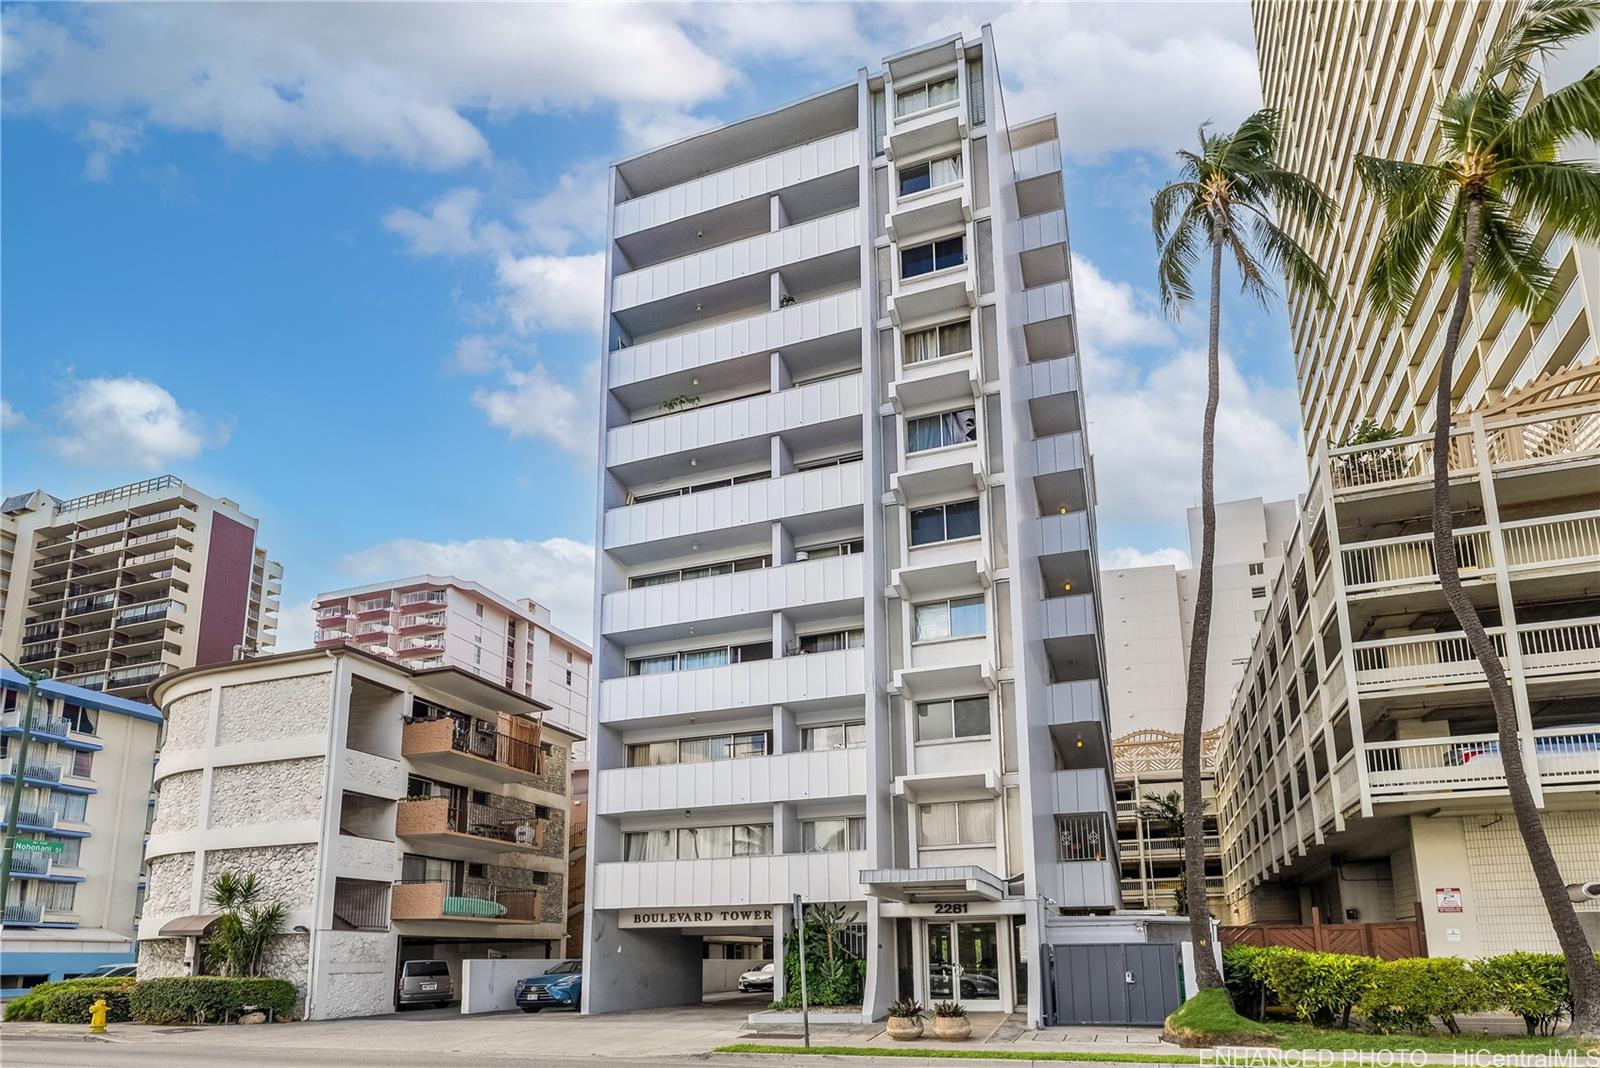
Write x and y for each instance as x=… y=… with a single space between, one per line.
x=1386 y=941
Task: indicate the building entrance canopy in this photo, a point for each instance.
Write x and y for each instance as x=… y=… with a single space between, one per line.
x=963 y=883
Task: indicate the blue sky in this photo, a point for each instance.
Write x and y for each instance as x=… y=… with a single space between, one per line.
x=341 y=263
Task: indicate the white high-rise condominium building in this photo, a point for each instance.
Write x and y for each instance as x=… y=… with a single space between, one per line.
x=110 y=590
x=1360 y=771
x=847 y=632
x=1149 y=619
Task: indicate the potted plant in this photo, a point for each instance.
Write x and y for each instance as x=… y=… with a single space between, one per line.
x=905 y=1020
x=950 y=1021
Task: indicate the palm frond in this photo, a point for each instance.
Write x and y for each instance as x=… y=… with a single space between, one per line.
x=1543 y=26
x=1297 y=197
x=1414 y=198
x=1509 y=263
x=1178 y=256
x=1564 y=194
x=1304 y=274
x=1256 y=138
x=1570 y=111
x=1252 y=279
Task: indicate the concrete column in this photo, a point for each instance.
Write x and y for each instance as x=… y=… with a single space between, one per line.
x=782 y=459
x=785 y=735
x=782 y=921
x=782 y=634
x=1440 y=848
x=781 y=378
x=785 y=828
x=782 y=545
x=780 y=215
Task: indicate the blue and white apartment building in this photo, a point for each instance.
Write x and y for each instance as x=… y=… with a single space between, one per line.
x=86 y=785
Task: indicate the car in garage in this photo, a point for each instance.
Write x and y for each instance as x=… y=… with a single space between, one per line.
x=759 y=979
x=560 y=986
x=424 y=982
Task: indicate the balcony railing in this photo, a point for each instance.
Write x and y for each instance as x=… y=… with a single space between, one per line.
x=1544 y=437
x=30 y=864
x=1472 y=762
x=28 y=912
x=442 y=901
x=450 y=734
x=361 y=904
x=418 y=816
x=43 y=722
x=33 y=817
x=37 y=769
x=1397 y=460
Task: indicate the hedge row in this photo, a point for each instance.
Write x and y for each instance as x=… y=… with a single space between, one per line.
x=1397 y=994
x=196 y=999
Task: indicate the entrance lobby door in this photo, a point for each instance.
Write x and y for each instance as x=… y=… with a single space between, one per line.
x=964 y=964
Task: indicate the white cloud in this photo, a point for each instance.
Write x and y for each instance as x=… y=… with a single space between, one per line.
x=780 y=29
x=540 y=292
x=106 y=141
x=446 y=228
x=128 y=422
x=1113 y=314
x=1124 y=556
x=477 y=354
x=296 y=626
x=643 y=129
x=573 y=209
x=533 y=404
x=376 y=81
x=556 y=572
x=11 y=418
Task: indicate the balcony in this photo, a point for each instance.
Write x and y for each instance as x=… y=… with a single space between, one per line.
x=789 y=680
x=951 y=380
x=31 y=912
x=453 y=748
x=930 y=211
x=930 y=297
x=1435 y=660
x=1567 y=757
x=838 y=773
x=1531 y=545
x=941 y=472
x=420 y=647
x=372 y=632
x=930 y=128
x=461 y=831
x=37 y=770
x=33 y=819
x=731 y=882
x=411 y=624
x=1043 y=250
x=836 y=580
x=747 y=504
x=330 y=637
x=1038 y=171
x=1047 y=321
x=43 y=724
x=434 y=901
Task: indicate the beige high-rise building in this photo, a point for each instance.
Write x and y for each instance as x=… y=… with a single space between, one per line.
x=1367 y=77
x=110 y=590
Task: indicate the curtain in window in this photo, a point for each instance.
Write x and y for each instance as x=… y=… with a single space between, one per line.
x=941 y=92
x=704 y=843
x=822 y=739
x=911 y=101
x=656 y=665
x=931 y=621
x=923 y=433
x=647 y=845
x=71 y=850
x=654 y=580
x=955 y=338
x=704 y=658
x=855 y=734
x=966 y=617
x=752 y=839
x=936 y=825
x=58 y=897
x=823 y=836
x=933 y=721
x=701 y=750
x=945 y=171
x=70 y=807
x=961 y=426
x=921 y=346
x=976 y=822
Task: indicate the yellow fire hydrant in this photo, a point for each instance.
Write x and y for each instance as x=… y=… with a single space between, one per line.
x=97 y=1016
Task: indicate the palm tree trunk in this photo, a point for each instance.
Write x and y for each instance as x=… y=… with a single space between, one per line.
x=1583 y=973
x=1207 y=974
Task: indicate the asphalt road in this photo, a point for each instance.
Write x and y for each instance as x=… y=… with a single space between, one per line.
x=62 y=1053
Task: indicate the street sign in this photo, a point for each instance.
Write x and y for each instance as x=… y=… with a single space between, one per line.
x=39 y=845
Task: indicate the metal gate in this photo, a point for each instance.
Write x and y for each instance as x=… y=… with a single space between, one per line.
x=1119 y=983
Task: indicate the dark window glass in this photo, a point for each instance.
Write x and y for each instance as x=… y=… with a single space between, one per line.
x=951 y=252
x=915 y=179
x=915 y=261
x=927 y=525
x=961 y=519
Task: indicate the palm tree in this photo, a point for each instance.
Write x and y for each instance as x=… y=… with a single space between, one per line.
x=246 y=925
x=1228 y=199
x=1168 y=812
x=1478 y=208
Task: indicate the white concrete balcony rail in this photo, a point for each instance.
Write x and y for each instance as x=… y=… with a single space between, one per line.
x=821 y=490
x=832 y=774
x=738 y=259
x=1071 y=703
x=735 y=881
x=735 y=420
x=771 y=589
x=1554 y=648
x=1043 y=230
x=1058 y=452
x=1067 y=617
x=1047 y=321
x=1398 y=460
x=1051 y=378
x=1566 y=756
x=786 y=680
x=1531 y=544
x=922 y=131
x=758 y=177
x=807 y=321
x=1063 y=533
x=1036 y=160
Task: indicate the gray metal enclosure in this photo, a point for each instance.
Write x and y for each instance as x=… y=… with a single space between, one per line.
x=1119 y=983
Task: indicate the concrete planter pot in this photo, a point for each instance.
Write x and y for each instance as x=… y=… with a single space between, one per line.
x=905 y=1028
x=952 y=1028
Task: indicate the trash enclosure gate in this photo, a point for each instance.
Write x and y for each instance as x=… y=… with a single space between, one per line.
x=1118 y=983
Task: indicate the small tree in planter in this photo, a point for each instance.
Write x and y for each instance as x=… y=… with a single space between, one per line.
x=245 y=927
x=905 y=1020
x=950 y=1021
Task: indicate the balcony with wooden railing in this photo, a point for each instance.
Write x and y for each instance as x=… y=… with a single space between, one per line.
x=470 y=904
x=503 y=751
x=457 y=830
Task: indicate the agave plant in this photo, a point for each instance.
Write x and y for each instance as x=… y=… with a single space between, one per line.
x=907 y=1009
x=950 y=1009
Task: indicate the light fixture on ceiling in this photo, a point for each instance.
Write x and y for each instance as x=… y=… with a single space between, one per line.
x=1066 y=587
x=694 y=546
x=693 y=462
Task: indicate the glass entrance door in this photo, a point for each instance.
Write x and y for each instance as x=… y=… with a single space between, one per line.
x=964 y=963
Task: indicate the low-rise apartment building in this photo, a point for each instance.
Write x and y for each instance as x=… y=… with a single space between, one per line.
x=1149 y=620
x=110 y=590
x=1360 y=770
x=430 y=621
x=86 y=790
x=400 y=814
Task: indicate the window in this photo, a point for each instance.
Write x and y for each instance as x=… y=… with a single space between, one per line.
x=1258 y=591
x=720 y=656
x=1256 y=569
x=951 y=339
x=56 y=897
x=419 y=869
x=700 y=487
x=569 y=656
x=963 y=717
x=959 y=617
x=829 y=461
x=569 y=678
x=925 y=96
x=726 y=567
x=833 y=736
x=699 y=750
x=955 y=823
x=70 y=807
x=944 y=522
x=647 y=845
x=711 y=843
x=71 y=852
x=831 y=549
x=832 y=641
x=933 y=256
x=479 y=608
x=83 y=764
x=941 y=431
x=934 y=174
x=81 y=720
x=834 y=836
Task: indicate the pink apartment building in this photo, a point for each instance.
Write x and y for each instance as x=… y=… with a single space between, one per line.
x=437 y=621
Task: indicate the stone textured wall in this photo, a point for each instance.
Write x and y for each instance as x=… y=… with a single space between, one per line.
x=288 y=956
x=280 y=708
x=187 y=720
x=280 y=791
x=375 y=775
x=369 y=854
x=169 y=886
x=284 y=873
x=553 y=776
x=356 y=947
x=177 y=803
x=553 y=901
x=355 y=994
x=160 y=958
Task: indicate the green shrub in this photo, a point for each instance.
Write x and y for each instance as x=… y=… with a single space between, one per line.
x=1408 y=993
x=60 y=1002
x=188 y=999
x=1532 y=985
x=1244 y=968
x=1319 y=987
